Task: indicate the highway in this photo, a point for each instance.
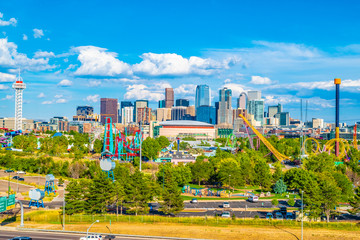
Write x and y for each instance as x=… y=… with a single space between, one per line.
x=5 y=234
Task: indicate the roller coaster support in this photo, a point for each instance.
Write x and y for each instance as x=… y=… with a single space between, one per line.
x=337 y=82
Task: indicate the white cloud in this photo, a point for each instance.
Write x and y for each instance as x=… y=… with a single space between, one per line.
x=43 y=54
x=8 y=97
x=260 y=80
x=9 y=57
x=38 y=33
x=227 y=80
x=71 y=66
x=11 y=21
x=288 y=99
x=41 y=95
x=94 y=83
x=97 y=61
x=65 y=83
x=93 y=98
x=175 y=65
x=185 y=89
x=61 y=100
x=25 y=37
x=236 y=88
x=47 y=102
x=5 y=77
x=58 y=96
x=3 y=87
x=140 y=91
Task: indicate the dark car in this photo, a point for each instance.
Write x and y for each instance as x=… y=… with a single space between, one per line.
x=8 y=171
x=15 y=177
x=283 y=210
x=21 y=179
x=21 y=238
x=109 y=237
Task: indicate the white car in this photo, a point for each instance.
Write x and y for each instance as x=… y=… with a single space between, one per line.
x=226 y=214
x=253 y=198
x=92 y=237
x=226 y=205
x=21 y=172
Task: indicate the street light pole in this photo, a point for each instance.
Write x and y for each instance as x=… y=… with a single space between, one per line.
x=39 y=177
x=302 y=215
x=64 y=209
x=229 y=185
x=87 y=231
x=9 y=185
x=140 y=143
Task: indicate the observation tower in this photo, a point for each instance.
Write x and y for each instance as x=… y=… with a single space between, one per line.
x=19 y=86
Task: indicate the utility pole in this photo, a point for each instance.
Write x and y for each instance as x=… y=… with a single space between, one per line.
x=39 y=177
x=9 y=185
x=302 y=215
x=140 y=142
x=229 y=185
x=64 y=209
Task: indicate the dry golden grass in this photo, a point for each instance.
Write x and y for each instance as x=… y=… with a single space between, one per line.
x=207 y=232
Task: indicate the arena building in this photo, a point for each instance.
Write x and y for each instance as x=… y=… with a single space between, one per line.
x=185 y=128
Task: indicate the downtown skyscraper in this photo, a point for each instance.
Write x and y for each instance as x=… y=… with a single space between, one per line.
x=202 y=97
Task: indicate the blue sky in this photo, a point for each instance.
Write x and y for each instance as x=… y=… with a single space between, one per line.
x=74 y=52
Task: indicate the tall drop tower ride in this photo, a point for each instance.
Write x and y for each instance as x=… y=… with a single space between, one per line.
x=19 y=86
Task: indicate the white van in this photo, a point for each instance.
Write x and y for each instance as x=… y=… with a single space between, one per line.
x=253 y=198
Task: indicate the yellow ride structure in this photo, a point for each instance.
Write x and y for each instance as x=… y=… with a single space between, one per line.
x=279 y=156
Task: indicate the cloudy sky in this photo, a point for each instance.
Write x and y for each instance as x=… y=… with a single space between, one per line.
x=74 y=52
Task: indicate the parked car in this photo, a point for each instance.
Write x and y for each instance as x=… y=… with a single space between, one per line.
x=109 y=237
x=226 y=214
x=226 y=205
x=269 y=215
x=92 y=237
x=8 y=171
x=15 y=177
x=289 y=216
x=253 y=198
x=283 y=210
x=194 y=200
x=21 y=238
x=279 y=216
x=20 y=179
x=21 y=172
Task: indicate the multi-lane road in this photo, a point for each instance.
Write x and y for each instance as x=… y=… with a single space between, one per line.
x=6 y=234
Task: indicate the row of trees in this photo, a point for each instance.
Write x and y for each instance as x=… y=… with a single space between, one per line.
x=131 y=189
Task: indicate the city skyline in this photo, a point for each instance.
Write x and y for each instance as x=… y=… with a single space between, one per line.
x=68 y=64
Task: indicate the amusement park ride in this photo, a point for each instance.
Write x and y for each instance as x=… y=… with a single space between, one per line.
x=124 y=148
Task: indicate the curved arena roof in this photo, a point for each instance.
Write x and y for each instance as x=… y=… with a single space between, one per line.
x=185 y=123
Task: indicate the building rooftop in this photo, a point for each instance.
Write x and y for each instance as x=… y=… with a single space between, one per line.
x=185 y=123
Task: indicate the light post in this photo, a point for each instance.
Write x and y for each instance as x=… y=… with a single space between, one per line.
x=140 y=142
x=302 y=215
x=9 y=185
x=64 y=209
x=229 y=185
x=87 y=231
x=39 y=177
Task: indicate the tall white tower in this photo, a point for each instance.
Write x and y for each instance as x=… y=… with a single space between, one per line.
x=19 y=86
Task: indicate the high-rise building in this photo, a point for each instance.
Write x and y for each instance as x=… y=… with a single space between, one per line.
x=202 y=97
x=139 y=104
x=225 y=113
x=272 y=110
x=241 y=101
x=163 y=114
x=178 y=113
x=127 y=115
x=317 y=123
x=182 y=102
x=19 y=87
x=169 y=97
x=206 y=114
x=84 y=110
x=284 y=118
x=256 y=108
x=190 y=110
x=254 y=95
x=143 y=115
x=109 y=108
x=161 y=104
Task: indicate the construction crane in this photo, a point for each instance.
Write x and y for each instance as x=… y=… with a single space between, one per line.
x=279 y=156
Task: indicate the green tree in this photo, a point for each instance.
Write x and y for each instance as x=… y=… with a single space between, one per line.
x=291 y=202
x=229 y=172
x=98 y=146
x=355 y=202
x=172 y=202
x=150 y=148
x=275 y=202
x=280 y=187
x=278 y=172
x=163 y=142
x=76 y=192
x=118 y=195
x=99 y=195
x=200 y=170
x=345 y=186
x=262 y=175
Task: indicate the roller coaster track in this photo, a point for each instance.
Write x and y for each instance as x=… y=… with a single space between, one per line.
x=273 y=150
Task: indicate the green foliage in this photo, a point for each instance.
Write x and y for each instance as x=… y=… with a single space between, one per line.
x=163 y=142
x=278 y=172
x=229 y=172
x=200 y=170
x=320 y=163
x=76 y=193
x=280 y=187
x=26 y=143
x=355 y=202
x=150 y=148
x=263 y=175
x=188 y=139
x=275 y=202
x=291 y=202
x=98 y=146
x=172 y=202
x=99 y=195
x=181 y=173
